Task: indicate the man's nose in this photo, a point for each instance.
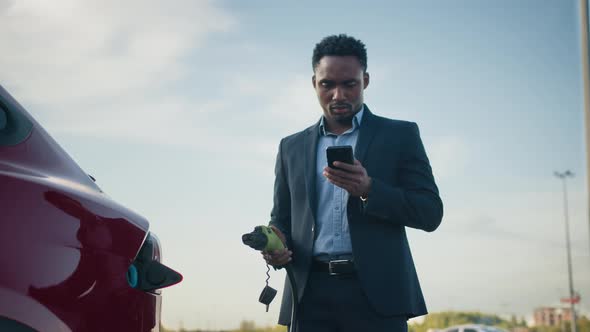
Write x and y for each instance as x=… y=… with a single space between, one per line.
x=338 y=94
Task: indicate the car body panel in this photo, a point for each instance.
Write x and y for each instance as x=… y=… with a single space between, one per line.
x=21 y=308
x=65 y=246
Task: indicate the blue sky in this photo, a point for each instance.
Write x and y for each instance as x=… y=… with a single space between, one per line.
x=177 y=110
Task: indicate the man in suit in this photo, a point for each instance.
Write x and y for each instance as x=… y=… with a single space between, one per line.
x=344 y=227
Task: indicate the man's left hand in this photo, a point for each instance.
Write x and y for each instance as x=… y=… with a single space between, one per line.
x=352 y=178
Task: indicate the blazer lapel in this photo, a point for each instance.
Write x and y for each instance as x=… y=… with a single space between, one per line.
x=366 y=134
x=310 y=145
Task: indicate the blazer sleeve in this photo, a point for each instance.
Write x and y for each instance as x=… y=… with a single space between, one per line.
x=280 y=216
x=415 y=202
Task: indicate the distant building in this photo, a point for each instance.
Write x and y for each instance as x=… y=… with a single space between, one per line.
x=552 y=316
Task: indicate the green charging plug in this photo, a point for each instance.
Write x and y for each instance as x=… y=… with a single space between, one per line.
x=263 y=238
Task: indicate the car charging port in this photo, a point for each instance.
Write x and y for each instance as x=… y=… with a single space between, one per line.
x=146 y=272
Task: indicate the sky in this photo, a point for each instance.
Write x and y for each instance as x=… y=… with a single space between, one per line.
x=177 y=109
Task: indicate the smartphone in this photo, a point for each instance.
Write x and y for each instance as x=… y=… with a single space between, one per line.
x=341 y=153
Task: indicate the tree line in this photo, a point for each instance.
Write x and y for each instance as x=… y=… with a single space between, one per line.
x=435 y=321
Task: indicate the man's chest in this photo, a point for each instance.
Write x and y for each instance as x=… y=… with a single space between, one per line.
x=305 y=162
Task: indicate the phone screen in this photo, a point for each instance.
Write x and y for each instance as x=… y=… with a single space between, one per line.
x=341 y=153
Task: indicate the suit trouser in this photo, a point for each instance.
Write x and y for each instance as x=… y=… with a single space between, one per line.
x=338 y=304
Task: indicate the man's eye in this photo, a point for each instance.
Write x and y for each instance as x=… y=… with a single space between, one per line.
x=351 y=84
x=325 y=84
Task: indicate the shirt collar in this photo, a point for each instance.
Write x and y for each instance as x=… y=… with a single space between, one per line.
x=356 y=122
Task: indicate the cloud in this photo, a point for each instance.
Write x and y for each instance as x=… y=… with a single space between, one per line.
x=73 y=52
x=295 y=104
x=109 y=70
x=449 y=156
x=524 y=217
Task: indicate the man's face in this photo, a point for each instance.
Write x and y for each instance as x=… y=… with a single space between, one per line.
x=339 y=82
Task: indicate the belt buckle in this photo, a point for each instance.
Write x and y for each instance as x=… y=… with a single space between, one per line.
x=333 y=264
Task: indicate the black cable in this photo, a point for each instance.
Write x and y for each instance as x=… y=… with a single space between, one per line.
x=267 y=274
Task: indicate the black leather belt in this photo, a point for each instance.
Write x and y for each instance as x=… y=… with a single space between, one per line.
x=334 y=267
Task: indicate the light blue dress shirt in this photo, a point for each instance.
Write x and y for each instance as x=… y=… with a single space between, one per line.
x=333 y=235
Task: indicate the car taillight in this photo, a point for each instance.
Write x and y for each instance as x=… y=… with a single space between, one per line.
x=147 y=272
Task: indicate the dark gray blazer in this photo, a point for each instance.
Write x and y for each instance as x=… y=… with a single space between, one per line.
x=403 y=194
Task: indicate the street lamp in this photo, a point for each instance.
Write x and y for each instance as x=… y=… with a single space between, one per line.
x=563 y=177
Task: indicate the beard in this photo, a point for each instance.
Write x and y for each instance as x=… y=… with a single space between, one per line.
x=343 y=112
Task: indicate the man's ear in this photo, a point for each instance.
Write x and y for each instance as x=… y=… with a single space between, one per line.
x=313 y=81
x=365 y=80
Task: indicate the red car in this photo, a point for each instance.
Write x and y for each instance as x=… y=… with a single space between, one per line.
x=71 y=259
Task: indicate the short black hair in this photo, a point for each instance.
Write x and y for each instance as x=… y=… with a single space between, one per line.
x=341 y=45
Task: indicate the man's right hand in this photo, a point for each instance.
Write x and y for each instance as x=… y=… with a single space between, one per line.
x=278 y=257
